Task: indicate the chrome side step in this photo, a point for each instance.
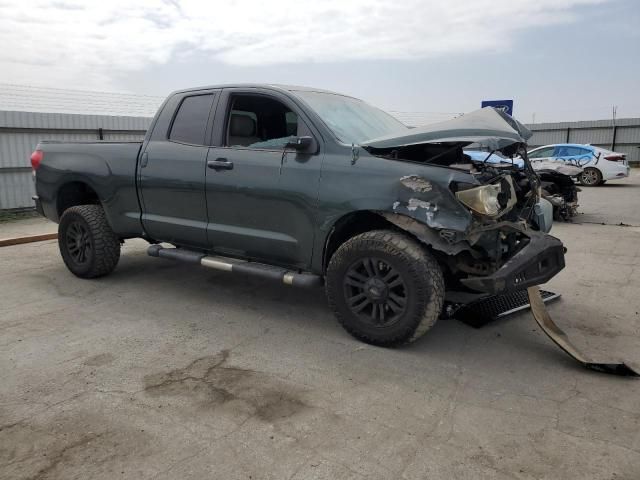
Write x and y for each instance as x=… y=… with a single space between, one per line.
x=304 y=280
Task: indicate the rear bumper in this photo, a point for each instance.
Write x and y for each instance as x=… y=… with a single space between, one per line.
x=539 y=261
x=38 y=204
x=620 y=171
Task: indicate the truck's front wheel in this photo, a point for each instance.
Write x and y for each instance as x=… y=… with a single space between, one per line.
x=88 y=246
x=384 y=288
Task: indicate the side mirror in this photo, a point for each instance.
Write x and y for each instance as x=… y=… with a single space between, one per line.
x=302 y=144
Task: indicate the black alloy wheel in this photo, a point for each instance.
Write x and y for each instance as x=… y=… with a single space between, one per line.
x=78 y=243
x=375 y=292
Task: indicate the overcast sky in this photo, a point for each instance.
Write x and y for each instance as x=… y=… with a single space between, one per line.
x=558 y=59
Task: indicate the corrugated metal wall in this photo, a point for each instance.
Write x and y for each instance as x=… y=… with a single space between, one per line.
x=598 y=132
x=20 y=132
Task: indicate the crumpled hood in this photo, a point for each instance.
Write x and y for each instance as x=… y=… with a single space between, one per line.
x=487 y=127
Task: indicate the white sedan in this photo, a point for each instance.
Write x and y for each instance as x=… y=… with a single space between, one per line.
x=598 y=164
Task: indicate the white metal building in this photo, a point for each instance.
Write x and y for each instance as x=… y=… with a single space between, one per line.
x=30 y=114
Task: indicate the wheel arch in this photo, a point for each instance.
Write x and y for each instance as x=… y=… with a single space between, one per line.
x=361 y=221
x=74 y=193
x=348 y=226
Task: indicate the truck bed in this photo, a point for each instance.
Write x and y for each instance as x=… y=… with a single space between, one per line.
x=107 y=167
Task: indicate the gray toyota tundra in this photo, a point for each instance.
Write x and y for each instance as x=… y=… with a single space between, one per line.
x=311 y=188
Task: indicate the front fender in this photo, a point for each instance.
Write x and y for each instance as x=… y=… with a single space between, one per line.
x=430 y=203
x=445 y=244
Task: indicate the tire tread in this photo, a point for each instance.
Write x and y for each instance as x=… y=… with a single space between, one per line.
x=106 y=243
x=430 y=291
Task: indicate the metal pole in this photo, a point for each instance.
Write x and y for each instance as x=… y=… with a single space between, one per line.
x=614 y=110
x=613 y=141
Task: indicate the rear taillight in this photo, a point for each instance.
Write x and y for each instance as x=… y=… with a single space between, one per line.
x=615 y=158
x=36 y=158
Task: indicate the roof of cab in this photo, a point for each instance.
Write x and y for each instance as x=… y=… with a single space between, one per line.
x=272 y=86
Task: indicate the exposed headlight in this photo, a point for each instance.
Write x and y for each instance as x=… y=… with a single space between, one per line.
x=482 y=200
x=490 y=200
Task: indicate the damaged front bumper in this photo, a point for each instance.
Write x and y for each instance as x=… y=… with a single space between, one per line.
x=536 y=263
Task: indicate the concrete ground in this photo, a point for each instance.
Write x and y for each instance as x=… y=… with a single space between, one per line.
x=168 y=371
x=24 y=225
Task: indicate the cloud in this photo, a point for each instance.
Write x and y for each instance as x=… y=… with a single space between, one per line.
x=86 y=43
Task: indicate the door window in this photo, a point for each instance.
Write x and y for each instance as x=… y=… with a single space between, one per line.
x=261 y=122
x=190 y=123
x=569 y=151
x=541 y=153
x=583 y=151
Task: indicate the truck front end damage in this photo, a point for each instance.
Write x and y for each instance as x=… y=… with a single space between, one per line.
x=494 y=259
x=488 y=221
x=490 y=230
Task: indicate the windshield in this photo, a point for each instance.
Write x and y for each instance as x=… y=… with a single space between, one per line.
x=350 y=119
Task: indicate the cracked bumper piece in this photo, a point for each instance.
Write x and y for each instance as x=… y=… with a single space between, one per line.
x=539 y=261
x=560 y=338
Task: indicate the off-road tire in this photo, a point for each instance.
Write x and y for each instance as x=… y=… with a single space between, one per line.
x=590 y=177
x=103 y=245
x=420 y=273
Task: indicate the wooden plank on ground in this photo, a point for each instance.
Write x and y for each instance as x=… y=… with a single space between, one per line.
x=5 y=242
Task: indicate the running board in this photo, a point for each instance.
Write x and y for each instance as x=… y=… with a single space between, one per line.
x=304 y=280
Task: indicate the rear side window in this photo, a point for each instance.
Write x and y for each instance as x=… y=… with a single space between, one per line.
x=568 y=151
x=190 y=123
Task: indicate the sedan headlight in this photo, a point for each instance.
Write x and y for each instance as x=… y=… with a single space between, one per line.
x=490 y=200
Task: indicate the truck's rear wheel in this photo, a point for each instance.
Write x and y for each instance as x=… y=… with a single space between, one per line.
x=88 y=246
x=384 y=288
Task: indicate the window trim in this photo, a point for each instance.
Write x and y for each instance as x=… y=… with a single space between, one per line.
x=215 y=95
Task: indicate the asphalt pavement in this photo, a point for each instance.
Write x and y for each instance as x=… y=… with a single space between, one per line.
x=169 y=371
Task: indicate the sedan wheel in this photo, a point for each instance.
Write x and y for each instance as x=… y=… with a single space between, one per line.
x=591 y=177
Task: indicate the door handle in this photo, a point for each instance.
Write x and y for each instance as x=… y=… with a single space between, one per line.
x=144 y=160
x=220 y=164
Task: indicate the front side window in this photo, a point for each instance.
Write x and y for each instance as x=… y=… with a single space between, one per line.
x=541 y=153
x=257 y=121
x=351 y=120
x=190 y=123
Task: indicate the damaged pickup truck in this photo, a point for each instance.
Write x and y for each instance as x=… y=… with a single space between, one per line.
x=310 y=187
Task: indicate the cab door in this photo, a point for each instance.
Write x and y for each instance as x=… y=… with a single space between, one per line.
x=261 y=196
x=172 y=171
